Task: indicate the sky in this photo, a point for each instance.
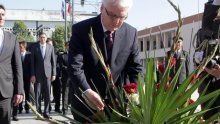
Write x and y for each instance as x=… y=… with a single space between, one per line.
x=143 y=14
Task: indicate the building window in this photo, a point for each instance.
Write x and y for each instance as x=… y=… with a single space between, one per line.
x=148 y=45
x=161 y=44
x=154 y=45
x=142 y=46
x=169 y=41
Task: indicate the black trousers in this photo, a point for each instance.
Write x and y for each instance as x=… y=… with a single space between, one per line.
x=66 y=84
x=57 y=92
x=5 y=110
x=29 y=94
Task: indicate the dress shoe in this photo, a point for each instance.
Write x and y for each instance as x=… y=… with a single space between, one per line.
x=58 y=111
x=47 y=116
x=50 y=108
x=15 y=118
x=65 y=112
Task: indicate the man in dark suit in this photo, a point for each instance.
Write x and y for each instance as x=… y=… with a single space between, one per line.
x=26 y=65
x=181 y=57
x=56 y=84
x=43 y=71
x=117 y=42
x=11 y=80
x=29 y=91
x=66 y=82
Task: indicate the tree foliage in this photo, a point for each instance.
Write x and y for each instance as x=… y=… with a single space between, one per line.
x=20 y=29
x=58 y=37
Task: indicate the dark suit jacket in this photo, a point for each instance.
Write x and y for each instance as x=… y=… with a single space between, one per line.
x=26 y=65
x=63 y=62
x=43 y=66
x=11 y=76
x=183 y=59
x=84 y=64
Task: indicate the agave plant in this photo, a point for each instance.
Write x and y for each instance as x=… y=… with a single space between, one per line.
x=162 y=105
x=159 y=106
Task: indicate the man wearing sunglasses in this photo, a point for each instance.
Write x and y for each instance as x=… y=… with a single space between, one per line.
x=117 y=41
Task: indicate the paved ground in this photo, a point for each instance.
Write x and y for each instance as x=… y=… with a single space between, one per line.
x=31 y=118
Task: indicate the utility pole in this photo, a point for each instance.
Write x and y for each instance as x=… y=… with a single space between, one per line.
x=66 y=1
x=72 y=12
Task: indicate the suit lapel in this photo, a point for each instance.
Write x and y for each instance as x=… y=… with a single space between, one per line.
x=46 y=51
x=117 y=42
x=5 y=44
x=39 y=49
x=98 y=34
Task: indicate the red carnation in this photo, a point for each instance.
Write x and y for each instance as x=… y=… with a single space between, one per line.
x=166 y=86
x=192 y=79
x=160 y=68
x=169 y=78
x=191 y=101
x=130 y=88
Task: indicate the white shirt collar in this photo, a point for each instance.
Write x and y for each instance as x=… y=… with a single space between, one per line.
x=42 y=44
x=1 y=32
x=104 y=29
x=23 y=53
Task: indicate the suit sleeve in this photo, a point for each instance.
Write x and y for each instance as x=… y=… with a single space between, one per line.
x=133 y=66
x=187 y=63
x=33 y=60
x=53 y=62
x=75 y=61
x=17 y=70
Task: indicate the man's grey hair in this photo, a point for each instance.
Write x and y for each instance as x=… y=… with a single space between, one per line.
x=121 y=3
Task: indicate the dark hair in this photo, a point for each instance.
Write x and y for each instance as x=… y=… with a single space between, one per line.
x=2 y=7
x=42 y=33
x=23 y=43
x=180 y=38
x=49 y=39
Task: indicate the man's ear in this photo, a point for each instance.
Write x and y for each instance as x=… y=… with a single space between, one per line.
x=101 y=8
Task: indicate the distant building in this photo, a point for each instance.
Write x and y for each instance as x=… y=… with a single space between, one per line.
x=49 y=19
x=154 y=42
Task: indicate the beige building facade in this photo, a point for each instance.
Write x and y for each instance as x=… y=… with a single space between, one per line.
x=154 y=42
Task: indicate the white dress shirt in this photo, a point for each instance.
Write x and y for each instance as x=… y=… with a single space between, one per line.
x=43 y=49
x=1 y=39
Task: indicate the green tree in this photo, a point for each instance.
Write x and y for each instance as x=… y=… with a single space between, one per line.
x=20 y=29
x=58 y=37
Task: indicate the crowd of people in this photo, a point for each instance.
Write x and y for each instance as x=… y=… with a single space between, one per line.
x=41 y=68
x=77 y=70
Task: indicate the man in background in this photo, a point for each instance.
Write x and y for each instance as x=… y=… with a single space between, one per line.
x=29 y=91
x=181 y=58
x=43 y=71
x=66 y=82
x=56 y=84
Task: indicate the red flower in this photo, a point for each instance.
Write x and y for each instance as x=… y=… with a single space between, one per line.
x=192 y=79
x=173 y=61
x=191 y=101
x=169 y=78
x=130 y=88
x=166 y=87
x=160 y=68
